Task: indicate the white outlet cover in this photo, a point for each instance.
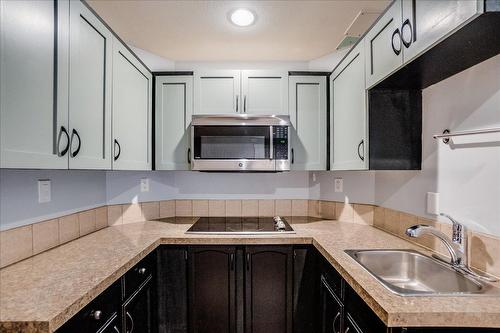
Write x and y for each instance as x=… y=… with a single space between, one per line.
x=339 y=184
x=44 y=192
x=145 y=185
x=432 y=203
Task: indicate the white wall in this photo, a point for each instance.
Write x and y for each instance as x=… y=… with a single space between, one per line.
x=72 y=191
x=466 y=174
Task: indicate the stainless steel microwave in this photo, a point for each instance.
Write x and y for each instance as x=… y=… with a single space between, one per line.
x=240 y=143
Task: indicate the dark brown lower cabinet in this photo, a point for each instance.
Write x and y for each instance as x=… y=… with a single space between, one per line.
x=331 y=310
x=240 y=289
x=138 y=312
x=113 y=326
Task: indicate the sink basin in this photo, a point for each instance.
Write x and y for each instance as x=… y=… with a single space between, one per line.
x=410 y=273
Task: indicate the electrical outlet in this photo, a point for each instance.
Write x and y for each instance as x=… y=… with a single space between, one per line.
x=44 y=190
x=145 y=185
x=314 y=177
x=432 y=203
x=339 y=185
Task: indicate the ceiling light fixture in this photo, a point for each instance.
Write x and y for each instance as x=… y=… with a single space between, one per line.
x=242 y=17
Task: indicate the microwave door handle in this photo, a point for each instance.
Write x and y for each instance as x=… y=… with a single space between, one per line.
x=271 y=143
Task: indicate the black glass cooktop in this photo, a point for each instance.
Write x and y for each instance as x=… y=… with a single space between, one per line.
x=241 y=225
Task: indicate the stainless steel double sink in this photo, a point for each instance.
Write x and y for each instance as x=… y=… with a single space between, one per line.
x=410 y=273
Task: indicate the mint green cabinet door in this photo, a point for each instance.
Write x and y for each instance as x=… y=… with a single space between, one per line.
x=217 y=92
x=308 y=117
x=348 y=113
x=384 y=49
x=425 y=23
x=132 y=84
x=91 y=45
x=173 y=111
x=33 y=81
x=264 y=92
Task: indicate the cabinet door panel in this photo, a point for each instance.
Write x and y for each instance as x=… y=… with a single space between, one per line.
x=264 y=92
x=425 y=23
x=131 y=111
x=348 y=113
x=173 y=111
x=212 y=296
x=268 y=290
x=138 y=315
x=217 y=92
x=331 y=310
x=33 y=72
x=90 y=89
x=381 y=58
x=308 y=118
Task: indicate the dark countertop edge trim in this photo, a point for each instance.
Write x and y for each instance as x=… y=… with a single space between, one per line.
x=307 y=73
x=173 y=73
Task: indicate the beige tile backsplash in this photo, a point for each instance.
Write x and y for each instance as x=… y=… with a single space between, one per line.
x=20 y=243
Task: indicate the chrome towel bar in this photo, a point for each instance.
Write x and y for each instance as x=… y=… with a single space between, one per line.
x=447 y=134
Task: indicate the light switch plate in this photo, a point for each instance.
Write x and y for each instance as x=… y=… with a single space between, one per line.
x=432 y=203
x=145 y=185
x=339 y=185
x=44 y=194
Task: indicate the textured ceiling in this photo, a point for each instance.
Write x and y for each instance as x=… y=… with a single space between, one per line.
x=200 y=31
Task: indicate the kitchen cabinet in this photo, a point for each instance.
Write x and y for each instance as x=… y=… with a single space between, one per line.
x=212 y=289
x=305 y=289
x=268 y=289
x=90 y=78
x=33 y=77
x=138 y=314
x=217 y=92
x=383 y=45
x=308 y=108
x=264 y=92
x=348 y=113
x=425 y=23
x=173 y=111
x=132 y=84
x=331 y=310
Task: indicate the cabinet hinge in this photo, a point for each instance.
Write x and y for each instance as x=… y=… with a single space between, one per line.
x=185 y=255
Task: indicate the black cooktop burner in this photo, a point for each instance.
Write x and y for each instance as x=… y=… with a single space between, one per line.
x=241 y=225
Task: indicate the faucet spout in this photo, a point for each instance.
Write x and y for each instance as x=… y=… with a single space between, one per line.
x=423 y=229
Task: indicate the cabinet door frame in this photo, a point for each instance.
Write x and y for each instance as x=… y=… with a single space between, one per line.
x=391 y=22
x=119 y=50
x=246 y=99
x=251 y=251
x=50 y=158
x=187 y=82
x=78 y=11
x=294 y=82
x=214 y=74
x=326 y=291
x=146 y=287
x=231 y=252
x=358 y=53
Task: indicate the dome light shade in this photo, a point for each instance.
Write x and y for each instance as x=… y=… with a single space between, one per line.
x=242 y=17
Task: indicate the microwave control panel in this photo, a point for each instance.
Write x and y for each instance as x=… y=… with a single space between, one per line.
x=280 y=142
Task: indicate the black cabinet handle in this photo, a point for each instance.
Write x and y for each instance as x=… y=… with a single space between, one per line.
x=362 y=143
x=293 y=156
x=396 y=34
x=245 y=104
x=237 y=97
x=248 y=261
x=65 y=150
x=96 y=314
x=231 y=259
x=407 y=25
x=189 y=155
x=119 y=149
x=73 y=133
x=141 y=271
x=116 y=329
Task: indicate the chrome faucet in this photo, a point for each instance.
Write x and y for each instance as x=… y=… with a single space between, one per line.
x=457 y=246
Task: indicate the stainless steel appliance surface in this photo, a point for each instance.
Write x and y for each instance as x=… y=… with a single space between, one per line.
x=241 y=226
x=240 y=143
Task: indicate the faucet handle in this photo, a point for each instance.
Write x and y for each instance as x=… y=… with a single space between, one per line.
x=459 y=235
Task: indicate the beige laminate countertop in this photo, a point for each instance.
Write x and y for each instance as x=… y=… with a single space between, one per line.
x=39 y=294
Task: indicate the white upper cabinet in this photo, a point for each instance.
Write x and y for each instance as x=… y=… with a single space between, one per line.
x=383 y=45
x=217 y=92
x=173 y=111
x=264 y=92
x=33 y=94
x=132 y=84
x=348 y=110
x=308 y=118
x=427 y=22
x=91 y=45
